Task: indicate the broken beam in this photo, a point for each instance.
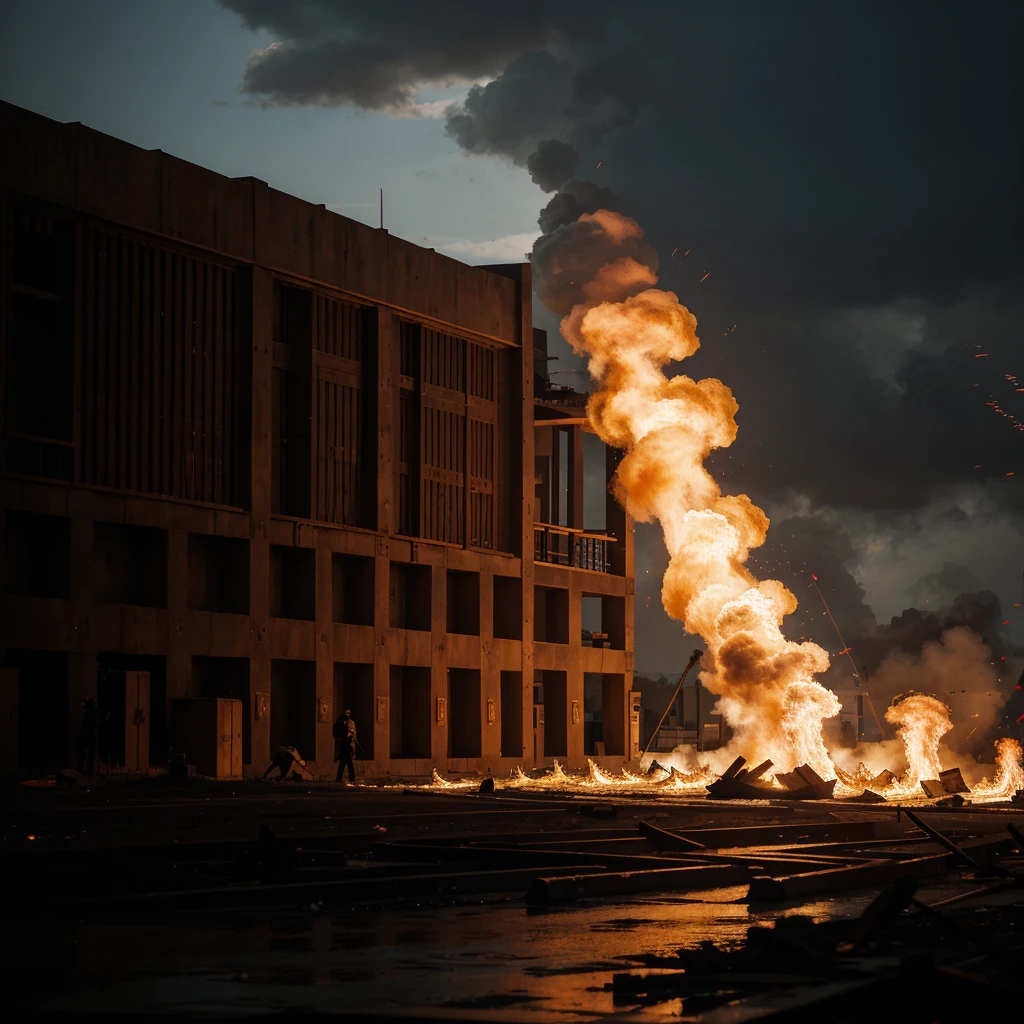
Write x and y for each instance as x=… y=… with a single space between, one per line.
x=567 y=888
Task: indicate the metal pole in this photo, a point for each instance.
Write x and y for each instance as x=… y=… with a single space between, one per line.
x=694 y=658
x=700 y=731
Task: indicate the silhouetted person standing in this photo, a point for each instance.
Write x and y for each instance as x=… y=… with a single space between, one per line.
x=89 y=737
x=345 y=745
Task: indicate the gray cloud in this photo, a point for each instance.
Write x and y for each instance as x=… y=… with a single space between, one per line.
x=376 y=56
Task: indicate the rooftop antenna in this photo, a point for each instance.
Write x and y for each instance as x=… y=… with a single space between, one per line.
x=382 y=209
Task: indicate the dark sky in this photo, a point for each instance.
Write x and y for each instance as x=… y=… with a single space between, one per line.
x=849 y=174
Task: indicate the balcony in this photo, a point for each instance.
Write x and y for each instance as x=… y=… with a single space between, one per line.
x=577 y=549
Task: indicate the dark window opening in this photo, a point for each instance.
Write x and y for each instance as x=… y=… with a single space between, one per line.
x=292 y=583
x=37 y=556
x=411 y=716
x=40 y=348
x=551 y=615
x=352 y=589
x=463 y=602
x=410 y=596
x=291 y=402
x=130 y=564
x=508 y=607
x=218 y=574
x=512 y=714
x=463 y=712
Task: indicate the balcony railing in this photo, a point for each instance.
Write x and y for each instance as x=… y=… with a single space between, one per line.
x=564 y=545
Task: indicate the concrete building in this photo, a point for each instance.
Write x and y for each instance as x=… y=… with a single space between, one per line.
x=259 y=452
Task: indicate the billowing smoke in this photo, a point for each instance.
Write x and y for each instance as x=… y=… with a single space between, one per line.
x=958 y=670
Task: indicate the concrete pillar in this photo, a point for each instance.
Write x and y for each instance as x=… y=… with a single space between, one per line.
x=439 y=690
x=387 y=522
x=526 y=498
x=179 y=652
x=574 y=674
x=324 y=655
x=490 y=678
x=259 y=540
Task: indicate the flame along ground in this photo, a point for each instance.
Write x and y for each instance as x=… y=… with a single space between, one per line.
x=1009 y=777
x=629 y=331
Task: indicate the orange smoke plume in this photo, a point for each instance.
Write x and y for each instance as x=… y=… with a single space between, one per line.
x=629 y=331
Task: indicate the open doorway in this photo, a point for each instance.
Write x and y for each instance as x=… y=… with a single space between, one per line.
x=512 y=714
x=226 y=678
x=556 y=731
x=353 y=691
x=42 y=707
x=110 y=692
x=293 y=706
x=604 y=714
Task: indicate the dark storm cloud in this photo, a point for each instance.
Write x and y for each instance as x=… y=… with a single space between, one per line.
x=833 y=167
x=552 y=163
x=376 y=56
x=819 y=154
x=816 y=420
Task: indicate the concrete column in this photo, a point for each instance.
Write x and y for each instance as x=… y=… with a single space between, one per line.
x=259 y=541
x=381 y=652
x=82 y=670
x=438 y=666
x=387 y=523
x=574 y=674
x=387 y=420
x=526 y=500
x=324 y=655
x=490 y=677
x=179 y=652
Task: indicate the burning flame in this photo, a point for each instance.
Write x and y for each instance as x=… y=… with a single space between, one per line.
x=1009 y=773
x=629 y=331
x=921 y=722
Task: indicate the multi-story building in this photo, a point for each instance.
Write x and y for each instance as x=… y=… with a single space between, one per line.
x=257 y=451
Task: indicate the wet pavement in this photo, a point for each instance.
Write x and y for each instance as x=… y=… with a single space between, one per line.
x=459 y=959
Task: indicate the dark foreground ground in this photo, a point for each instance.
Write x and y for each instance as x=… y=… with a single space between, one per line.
x=136 y=898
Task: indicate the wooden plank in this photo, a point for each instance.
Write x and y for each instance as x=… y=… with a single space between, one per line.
x=568 y=888
x=661 y=837
x=863 y=875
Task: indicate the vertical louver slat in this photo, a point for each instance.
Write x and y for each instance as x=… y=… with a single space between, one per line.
x=161 y=373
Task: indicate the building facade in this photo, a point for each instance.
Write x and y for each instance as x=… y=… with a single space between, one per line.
x=256 y=451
